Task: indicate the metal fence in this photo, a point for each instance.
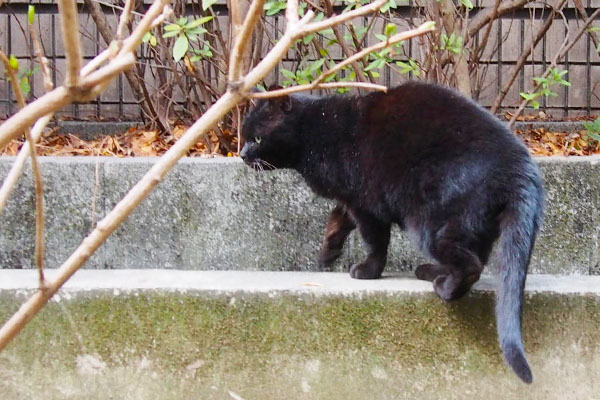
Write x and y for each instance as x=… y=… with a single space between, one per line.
x=509 y=35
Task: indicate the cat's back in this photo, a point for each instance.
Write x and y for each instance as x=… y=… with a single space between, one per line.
x=421 y=118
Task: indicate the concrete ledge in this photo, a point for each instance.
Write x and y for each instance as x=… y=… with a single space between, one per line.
x=273 y=283
x=148 y=334
x=218 y=214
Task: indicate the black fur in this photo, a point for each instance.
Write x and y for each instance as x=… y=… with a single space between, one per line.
x=423 y=157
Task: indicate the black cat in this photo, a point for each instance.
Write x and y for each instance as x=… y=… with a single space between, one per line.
x=426 y=158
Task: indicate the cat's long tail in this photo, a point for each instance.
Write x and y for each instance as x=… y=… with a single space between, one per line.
x=519 y=225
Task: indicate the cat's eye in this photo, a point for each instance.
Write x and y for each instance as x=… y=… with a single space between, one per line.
x=257 y=139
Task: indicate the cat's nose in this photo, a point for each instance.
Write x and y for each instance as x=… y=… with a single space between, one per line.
x=244 y=152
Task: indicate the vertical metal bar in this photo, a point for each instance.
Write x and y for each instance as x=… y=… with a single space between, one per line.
x=6 y=83
x=566 y=95
x=31 y=55
x=53 y=57
x=499 y=60
x=521 y=49
x=97 y=49
x=76 y=104
x=9 y=47
x=276 y=26
x=120 y=87
x=544 y=41
x=588 y=72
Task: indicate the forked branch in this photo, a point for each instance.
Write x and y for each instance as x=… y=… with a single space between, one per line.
x=295 y=29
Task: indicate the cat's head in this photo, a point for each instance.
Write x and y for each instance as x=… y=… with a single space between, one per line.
x=270 y=134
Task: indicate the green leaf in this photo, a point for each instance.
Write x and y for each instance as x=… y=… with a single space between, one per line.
x=377 y=64
x=327 y=32
x=528 y=96
x=196 y=31
x=31 y=14
x=390 y=29
x=172 y=28
x=324 y=52
x=14 y=63
x=170 y=34
x=198 y=22
x=468 y=4
x=180 y=47
x=330 y=78
x=535 y=104
x=153 y=41
x=288 y=74
x=308 y=38
x=206 y=4
x=317 y=64
x=24 y=84
x=182 y=21
x=405 y=68
x=381 y=37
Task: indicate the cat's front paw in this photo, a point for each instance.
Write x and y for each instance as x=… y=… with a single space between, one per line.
x=365 y=270
x=328 y=256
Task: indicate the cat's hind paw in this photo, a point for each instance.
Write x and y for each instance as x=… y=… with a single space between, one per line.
x=366 y=270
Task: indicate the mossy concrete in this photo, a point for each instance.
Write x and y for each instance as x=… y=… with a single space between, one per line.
x=146 y=344
x=219 y=214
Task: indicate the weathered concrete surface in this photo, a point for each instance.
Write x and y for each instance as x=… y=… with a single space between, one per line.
x=275 y=282
x=284 y=340
x=219 y=214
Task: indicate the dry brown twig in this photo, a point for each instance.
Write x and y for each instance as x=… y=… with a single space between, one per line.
x=64 y=95
x=40 y=247
x=317 y=83
x=237 y=91
x=564 y=49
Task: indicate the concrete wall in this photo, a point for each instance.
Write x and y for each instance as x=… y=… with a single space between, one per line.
x=219 y=214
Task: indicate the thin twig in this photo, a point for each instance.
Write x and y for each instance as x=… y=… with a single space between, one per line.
x=143 y=188
x=420 y=30
x=358 y=71
x=527 y=50
x=328 y=85
x=565 y=49
x=63 y=96
x=40 y=247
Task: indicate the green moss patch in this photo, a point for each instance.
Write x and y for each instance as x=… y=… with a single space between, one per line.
x=290 y=347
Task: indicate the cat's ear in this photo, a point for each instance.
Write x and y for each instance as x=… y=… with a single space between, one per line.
x=284 y=103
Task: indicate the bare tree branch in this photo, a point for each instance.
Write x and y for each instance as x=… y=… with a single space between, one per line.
x=489 y=14
x=40 y=246
x=142 y=189
x=62 y=96
x=523 y=57
x=584 y=14
x=328 y=85
x=69 y=22
x=125 y=15
x=358 y=71
x=243 y=38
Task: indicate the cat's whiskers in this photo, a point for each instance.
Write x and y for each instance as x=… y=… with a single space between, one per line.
x=267 y=164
